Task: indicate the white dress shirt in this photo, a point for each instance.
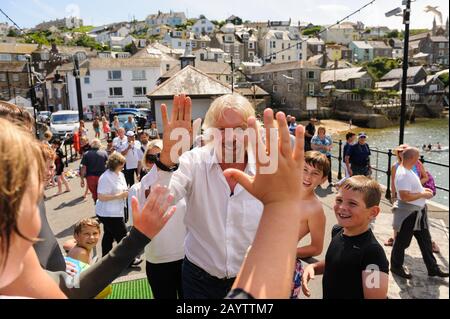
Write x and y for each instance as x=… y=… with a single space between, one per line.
x=134 y=155
x=168 y=245
x=220 y=225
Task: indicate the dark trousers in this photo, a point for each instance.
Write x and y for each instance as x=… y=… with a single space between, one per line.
x=165 y=279
x=114 y=230
x=198 y=284
x=129 y=176
x=403 y=239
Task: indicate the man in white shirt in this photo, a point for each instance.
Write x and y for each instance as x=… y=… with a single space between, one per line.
x=165 y=253
x=133 y=155
x=221 y=216
x=410 y=217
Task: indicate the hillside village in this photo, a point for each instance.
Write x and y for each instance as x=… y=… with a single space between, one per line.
x=298 y=67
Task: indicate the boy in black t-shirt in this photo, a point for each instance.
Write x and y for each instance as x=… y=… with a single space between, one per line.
x=355 y=266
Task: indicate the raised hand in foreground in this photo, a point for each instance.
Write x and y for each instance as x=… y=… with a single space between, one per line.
x=155 y=214
x=268 y=269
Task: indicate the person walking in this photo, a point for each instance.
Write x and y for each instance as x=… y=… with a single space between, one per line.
x=411 y=219
x=93 y=165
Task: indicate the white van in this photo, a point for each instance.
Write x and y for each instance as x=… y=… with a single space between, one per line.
x=64 y=122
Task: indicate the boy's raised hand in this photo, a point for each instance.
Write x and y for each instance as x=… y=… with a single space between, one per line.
x=153 y=216
x=285 y=182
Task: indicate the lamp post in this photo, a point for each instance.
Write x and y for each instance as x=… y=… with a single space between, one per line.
x=32 y=93
x=406 y=17
x=76 y=74
x=406 y=21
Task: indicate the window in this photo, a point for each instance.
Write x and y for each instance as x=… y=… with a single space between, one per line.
x=441 y=53
x=45 y=56
x=275 y=88
x=274 y=44
x=236 y=56
x=251 y=56
x=311 y=75
x=289 y=73
x=89 y=95
x=167 y=67
x=138 y=75
x=15 y=77
x=311 y=89
x=283 y=100
x=140 y=91
x=300 y=56
x=87 y=80
x=442 y=45
x=202 y=57
x=299 y=46
x=251 y=45
x=227 y=48
x=282 y=57
x=236 y=49
x=115 y=92
x=23 y=58
x=289 y=87
x=5 y=57
x=282 y=46
x=179 y=44
x=2 y=77
x=115 y=75
x=203 y=45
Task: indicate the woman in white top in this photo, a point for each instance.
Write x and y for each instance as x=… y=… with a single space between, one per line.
x=165 y=253
x=112 y=192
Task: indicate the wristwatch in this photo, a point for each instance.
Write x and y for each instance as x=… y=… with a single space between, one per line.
x=163 y=167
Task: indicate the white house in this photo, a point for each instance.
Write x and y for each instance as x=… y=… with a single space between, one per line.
x=177 y=39
x=122 y=31
x=4 y=29
x=120 y=42
x=228 y=28
x=343 y=33
x=211 y=54
x=203 y=26
x=153 y=52
x=112 y=82
x=171 y=18
x=283 y=46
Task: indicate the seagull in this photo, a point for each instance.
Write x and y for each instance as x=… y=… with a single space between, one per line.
x=435 y=11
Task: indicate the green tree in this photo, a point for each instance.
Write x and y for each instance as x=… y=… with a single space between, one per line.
x=444 y=78
x=381 y=66
x=13 y=33
x=312 y=31
x=393 y=34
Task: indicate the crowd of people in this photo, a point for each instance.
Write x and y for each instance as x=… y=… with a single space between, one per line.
x=209 y=227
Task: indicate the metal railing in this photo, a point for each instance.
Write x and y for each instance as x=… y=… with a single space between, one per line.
x=388 y=171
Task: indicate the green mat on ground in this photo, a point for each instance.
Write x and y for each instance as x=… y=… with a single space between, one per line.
x=134 y=289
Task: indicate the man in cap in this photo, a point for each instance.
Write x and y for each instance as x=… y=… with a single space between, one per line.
x=358 y=157
x=133 y=155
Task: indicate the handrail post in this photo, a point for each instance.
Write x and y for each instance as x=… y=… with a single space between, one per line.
x=388 y=190
x=339 y=176
x=422 y=159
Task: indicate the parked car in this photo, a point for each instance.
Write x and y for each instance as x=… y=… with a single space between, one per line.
x=64 y=122
x=123 y=114
x=44 y=117
x=148 y=115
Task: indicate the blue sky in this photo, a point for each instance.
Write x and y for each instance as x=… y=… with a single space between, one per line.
x=28 y=13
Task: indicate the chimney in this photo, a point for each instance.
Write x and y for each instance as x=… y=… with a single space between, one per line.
x=187 y=60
